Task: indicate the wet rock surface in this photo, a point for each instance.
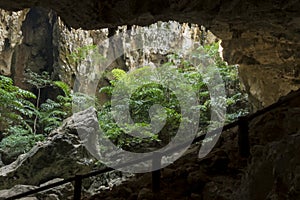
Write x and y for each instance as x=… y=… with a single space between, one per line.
x=270 y=172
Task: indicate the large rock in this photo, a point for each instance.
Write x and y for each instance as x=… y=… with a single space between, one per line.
x=265 y=85
x=62 y=192
x=274 y=172
x=10 y=37
x=63 y=155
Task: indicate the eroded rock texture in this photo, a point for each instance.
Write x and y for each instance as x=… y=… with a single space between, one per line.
x=61 y=156
x=61 y=192
x=10 y=37
x=255 y=34
x=47 y=44
x=270 y=172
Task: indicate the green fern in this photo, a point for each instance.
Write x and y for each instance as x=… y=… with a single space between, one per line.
x=64 y=87
x=14 y=105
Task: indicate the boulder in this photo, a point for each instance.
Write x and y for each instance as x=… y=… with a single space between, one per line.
x=17 y=189
x=62 y=192
x=62 y=156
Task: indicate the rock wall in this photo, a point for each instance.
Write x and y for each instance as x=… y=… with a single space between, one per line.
x=264 y=34
x=10 y=37
x=269 y=62
x=35 y=52
x=38 y=40
x=43 y=42
x=265 y=85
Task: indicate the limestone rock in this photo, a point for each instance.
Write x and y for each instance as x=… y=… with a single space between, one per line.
x=62 y=192
x=266 y=84
x=63 y=155
x=69 y=41
x=17 y=189
x=10 y=37
x=275 y=173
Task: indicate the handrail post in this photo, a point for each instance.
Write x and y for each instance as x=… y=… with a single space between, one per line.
x=156 y=164
x=243 y=137
x=77 y=187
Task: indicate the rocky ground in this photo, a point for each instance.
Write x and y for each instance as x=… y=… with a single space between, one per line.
x=270 y=172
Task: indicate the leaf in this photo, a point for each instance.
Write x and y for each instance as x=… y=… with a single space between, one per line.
x=62 y=85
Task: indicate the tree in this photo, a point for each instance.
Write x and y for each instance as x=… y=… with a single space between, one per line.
x=39 y=81
x=49 y=114
x=15 y=125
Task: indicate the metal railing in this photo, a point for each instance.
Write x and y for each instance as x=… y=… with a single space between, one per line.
x=244 y=150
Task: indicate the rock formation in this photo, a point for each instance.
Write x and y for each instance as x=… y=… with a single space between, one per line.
x=271 y=172
x=261 y=36
x=63 y=155
x=255 y=34
x=10 y=37
x=41 y=41
x=61 y=192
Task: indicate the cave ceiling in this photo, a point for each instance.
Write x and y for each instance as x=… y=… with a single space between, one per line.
x=250 y=29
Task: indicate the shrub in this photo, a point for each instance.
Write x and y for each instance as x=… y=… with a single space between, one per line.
x=14 y=105
x=146 y=96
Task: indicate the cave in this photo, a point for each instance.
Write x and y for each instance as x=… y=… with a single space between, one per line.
x=262 y=38
x=257 y=36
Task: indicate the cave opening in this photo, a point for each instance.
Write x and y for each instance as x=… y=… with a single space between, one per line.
x=261 y=38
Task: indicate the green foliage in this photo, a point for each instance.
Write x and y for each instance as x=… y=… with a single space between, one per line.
x=17 y=113
x=64 y=87
x=23 y=123
x=237 y=99
x=117 y=74
x=53 y=112
x=19 y=141
x=14 y=105
x=146 y=96
x=50 y=114
x=38 y=80
x=20 y=119
x=115 y=133
x=80 y=53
